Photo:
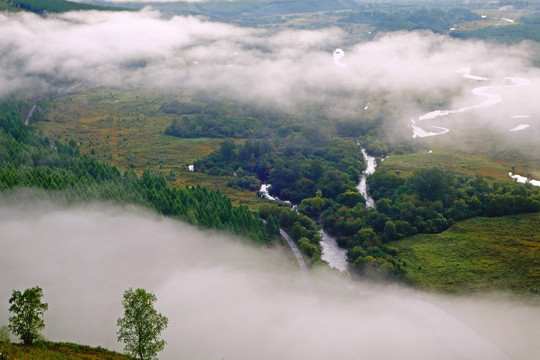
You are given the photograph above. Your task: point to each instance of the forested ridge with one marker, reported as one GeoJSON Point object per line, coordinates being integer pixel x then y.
{"type": "Point", "coordinates": [29, 160]}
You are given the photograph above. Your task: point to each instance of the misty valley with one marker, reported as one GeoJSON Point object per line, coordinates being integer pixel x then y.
{"type": "Point", "coordinates": [284, 180]}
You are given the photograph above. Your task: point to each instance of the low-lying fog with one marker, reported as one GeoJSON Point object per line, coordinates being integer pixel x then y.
{"type": "Point", "coordinates": [226, 299]}
{"type": "Point", "coordinates": [283, 68]}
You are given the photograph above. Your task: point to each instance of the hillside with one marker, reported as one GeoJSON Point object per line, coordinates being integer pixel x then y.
{"type": "Point", "coordinates": [57, 351]}
{"type": "Point", "coordinates": [30, 160]}
{"type": "Point", "coordinates": [480, 254]}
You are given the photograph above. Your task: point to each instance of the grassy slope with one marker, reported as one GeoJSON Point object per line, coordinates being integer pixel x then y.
{"type": "Point", "coordinates": [477, 255]}
{"type": "Point", "coordinates": [57, 351]}
{"type": "Point", "coordinates": [126, 128]}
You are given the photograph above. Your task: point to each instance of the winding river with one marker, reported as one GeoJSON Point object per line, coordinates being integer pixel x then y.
{"type": "Point", "coordinates": [485, 92]}
{"type": "Point", "coordinates": [524, 180]}
{"type": "Point", "coordinates": [331, 252]}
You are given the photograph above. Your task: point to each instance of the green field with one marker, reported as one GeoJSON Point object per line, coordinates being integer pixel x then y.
{"type": "Point", "coordinates": [126, 129]}
{"type": "Point", "coordinates": [57, 351]}
{"type": "Point", "coordinates": [450, 160]}
{"type": "Point", "coordinates": [481, 254]}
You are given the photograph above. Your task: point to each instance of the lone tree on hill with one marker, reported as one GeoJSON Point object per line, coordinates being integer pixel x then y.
{"type": "Point", "coordinates": [27, 309]}
{"type": "Point", "coordinates": [141, 326]}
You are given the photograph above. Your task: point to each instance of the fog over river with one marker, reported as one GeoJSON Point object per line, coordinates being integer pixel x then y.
{"type": "Point", "coordinates": [228, 299]}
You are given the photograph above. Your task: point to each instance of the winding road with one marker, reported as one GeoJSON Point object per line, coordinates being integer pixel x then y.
{"type": "Point", "coordinates": [295, 251]}
{"type": "Point", "coordinates": [299, 259]}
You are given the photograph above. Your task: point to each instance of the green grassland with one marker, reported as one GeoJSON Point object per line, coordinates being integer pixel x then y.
{"type": "Point", "coordinates": [480, 254]}
{"type": "Point", "coordinates": [57, 351]}
{"type": "Point", "coordinates": [463, 163]}
{"type": "Point", "coordinates": [126, 129]}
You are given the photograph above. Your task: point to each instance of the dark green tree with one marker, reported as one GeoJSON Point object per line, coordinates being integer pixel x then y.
{"type": "Point", "coordinates": [272, 226]}
{"type": "Point", "coordinates": [431, 183]}
{"type": "Point", "coordinates": [27, 308]}
{"type": "Point", "coordinates": [140, 327]}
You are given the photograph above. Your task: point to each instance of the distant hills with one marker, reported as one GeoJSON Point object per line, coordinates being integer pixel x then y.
{"type": "Point", "coordinates": [269, 8]}
{"type": "Point", "coordinates": [379, 16]}
{"type": "Point", "coordinates": [51, 6]}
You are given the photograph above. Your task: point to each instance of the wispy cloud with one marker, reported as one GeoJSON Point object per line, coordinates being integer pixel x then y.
{"type": "Point", "coordinates": [286, 69]}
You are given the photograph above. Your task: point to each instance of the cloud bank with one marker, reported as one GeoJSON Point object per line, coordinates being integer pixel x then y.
{"type": "Point", "coordinates": [287, 68]}
{"type": "Point", "coordinates": [229, 300]}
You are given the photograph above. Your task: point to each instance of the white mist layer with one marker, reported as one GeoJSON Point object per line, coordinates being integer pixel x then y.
{"type": "Point", "coordinates": [287, 68]}
{"type": "Point", "coordinates": [225, 299]}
